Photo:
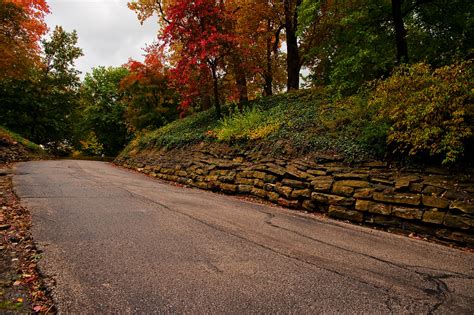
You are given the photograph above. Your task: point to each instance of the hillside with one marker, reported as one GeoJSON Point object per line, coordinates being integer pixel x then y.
{"type": "Point", "coordinates": [417, 115]}
{"type": "Point", "coordinates": [16, 148]}
{"type": "Point", "coordinates": [293, 124]}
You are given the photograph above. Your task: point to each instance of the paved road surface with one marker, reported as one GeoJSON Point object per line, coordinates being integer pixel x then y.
{"type": "Point", "coordinates": [117, 241]}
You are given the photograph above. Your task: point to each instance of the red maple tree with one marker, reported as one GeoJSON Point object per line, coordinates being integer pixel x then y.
{"type": "Point", "coordinates": [197, 34]}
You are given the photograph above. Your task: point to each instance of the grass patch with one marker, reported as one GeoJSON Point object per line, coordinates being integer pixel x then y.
{"type": "Point", "coordinates": [294, 123]}
{"type": "Point", "coordinates": [11, 137]}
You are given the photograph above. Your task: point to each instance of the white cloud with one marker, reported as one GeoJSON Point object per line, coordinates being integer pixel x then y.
{"type": "Point", "coordinates": [109, 32]}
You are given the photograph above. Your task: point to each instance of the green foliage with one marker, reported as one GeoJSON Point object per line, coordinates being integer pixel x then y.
{"type": "Point", "coordinates": [250, 124]}
{"type": "Point", "coordinates": [40, 106]}
{"type": "Point", "coordinates": [294, 123]}
{"type": "Point", "coordinates": [7, 135]}
{"type": "Point", "coordinates": [189, 130]}
{"type": "Point", "coordinates": [430, 111]}
{"type": "Point", "coordinates": [346, 43]}
{"type": "Point", "coordinates": [440, 32]}
{"type": "Point", "coordinates": [102, 110]}
{"type": "Point", "coordinates": [91, 145]}
{"type": "Point", "coordinates": [60, 53]}
{"type": "Point", "coordinates": [150, 100]}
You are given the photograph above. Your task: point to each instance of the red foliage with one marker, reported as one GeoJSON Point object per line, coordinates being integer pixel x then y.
{"type": "Point", "coordinates": [198, 34]}
{"type": "Point", "coordinates": [34, 24]}
{"type": "Point", "coordinates": [20, 33]}
{"type": "Point", "coordinates": [151, 69]}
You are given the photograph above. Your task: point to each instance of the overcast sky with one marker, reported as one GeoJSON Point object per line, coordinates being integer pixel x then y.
{"type": "Point", "coordinates": [109, 33]}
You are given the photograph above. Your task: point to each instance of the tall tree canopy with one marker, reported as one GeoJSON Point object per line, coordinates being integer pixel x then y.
{"type": "Point", "coordinates": [40, 106]}
{"type": "Point", "coordinates": [21, 27]}
{"type": "Point", "coordinates": [102, 110]}
{"type": "Point", "coordinates": [150, 100]}
{"type": "Point", "coordinates": [347, 43]}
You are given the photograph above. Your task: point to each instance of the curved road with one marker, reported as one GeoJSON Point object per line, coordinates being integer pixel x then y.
{"type": "Point", "coordinates": [117, 241]}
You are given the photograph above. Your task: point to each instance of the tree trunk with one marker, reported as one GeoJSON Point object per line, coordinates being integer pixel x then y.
{"type": "Point", "coordinates": [217, 104]}
{"type": "Point", "coordinates": [240, 80]}
{"type": "Point", "coordinates": [400, 32]}
{"type": "Point", "coordinates": [268, 73]}
{"type": "Point", "coordinates": [206, 101]}
{"type": "Point", "coordinates": [292, 56]}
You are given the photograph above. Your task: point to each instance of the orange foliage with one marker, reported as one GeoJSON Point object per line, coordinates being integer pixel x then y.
{"type": "Point", "coordinates": [22, 28]}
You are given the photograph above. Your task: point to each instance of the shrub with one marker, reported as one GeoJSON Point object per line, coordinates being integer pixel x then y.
{"type": "Point", "coordinates": [91, 145]}
{"type": "Point", "coordinates": [430, 111]}
{"type": "Point", "coordinates": [251, 124]}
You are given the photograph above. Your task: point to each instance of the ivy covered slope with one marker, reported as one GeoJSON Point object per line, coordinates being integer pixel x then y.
{"type": "Point", "coordinates": [16, 148]}
{"type": "Point", "coordinates": [417, 114]}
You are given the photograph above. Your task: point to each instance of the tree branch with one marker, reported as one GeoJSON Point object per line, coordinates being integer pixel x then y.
{"type": "Point", "coordinates": [163, 16]}
{"type": "Point", "coordinates": [414, 6]}
{"type": "Point", "coordinates": [277, 38]}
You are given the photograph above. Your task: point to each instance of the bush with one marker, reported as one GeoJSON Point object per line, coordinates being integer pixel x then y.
{"type": "Point", "coordinates": [430, 111]}
{"type": "Point", "coordinates": [250, 124]}
{"type": "Point", "coordinates": [91, 145]}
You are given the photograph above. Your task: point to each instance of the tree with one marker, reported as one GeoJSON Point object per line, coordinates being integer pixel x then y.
{"type": "Point", "coordinates": [292, 56]}
{"type": "Point", "coordinates": [196, 32]}
{"type": "Point", "coordinates": [60, 54]}
{"type": "Point", "coordinates": [348, 43]}
{"type": "Point", "coordinates": [150, 101]}
{"type": "Point", "coordinates": [22, 25]}
{"type": "Point", "coordinates": [258, 25]}
{"type": "Point", "coordinates": [400, 32]}
{"type": "Point", "coordinates": [40, 106]}
{"type": "Point", "coordinates": [102, 110]}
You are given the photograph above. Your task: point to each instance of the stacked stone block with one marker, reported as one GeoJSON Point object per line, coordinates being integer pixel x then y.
{"type": "Point", "coordinates": [428, 202]}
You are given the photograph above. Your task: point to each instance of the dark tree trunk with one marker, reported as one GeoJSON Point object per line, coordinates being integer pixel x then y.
{"type": "Point", "coordinates": [293, 64]}
{"type": "Point", "coordinates": [215, 82]}
{"type": "Point", "coordinates": [268, 73]}
{"type": "Point", "coordinates": [400, 32]}
{"type": "Point", "coordinates": [240, 80]}
{"type": "Point", "coordinates": [206, 101]}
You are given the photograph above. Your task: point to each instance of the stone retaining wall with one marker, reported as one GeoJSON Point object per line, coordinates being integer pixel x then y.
{"type": "Point", "coordinates": [428, 202]}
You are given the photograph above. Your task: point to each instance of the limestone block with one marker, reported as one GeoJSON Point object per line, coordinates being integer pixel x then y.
{"type": "Point", "coordinates": [358, 176]}
{"type": "Point", "coordinates": [269, 178]}
{"type": "Point", "coordinates": [316, 172]}
{"type": "Point", "coordinates": [458, 221]}
{"type": "Point", "coordinates": [433, 216]}
{"type": "Point", "coordinates": [288, 203]}
{"type": "Point", "coordinates": [463, 207]}
{"type": "Point", "coordinates": [363, 193]}
{"type": "Point", "coordinates": [322, 184]}
{"type": "Point", "coordinates": [435, 202]}
{"type": "Point", "coordinates": [400, 198]}
{"type": "Point", "coordinates": [258, 192]}
{"type": "Point", "coordinates": [269, 187]}
{"type": "Point", "coordinates": [407, 213]}
{"type": "Point", "coordinates": [332, 199]}
{"type": "Point", "coordinates": [284, 190]}
{"type": "Point", "coordinates": [272, 196]}
{"type": "Point", "coordinates": [383, 220]}
{"type": "Point", "coordinates": [309, 205]}
{"type": "Point", "coordinates": [340, 189]}
{"type": "Point", "coordinates": [297, 193]}
{"type": "Point", "coordinates": [344, 213]}
{"type": "Point", "coordinates": [293, 183]}
{"type": "Point", "coordinates": [244, 181]}
{"type": "Point", "coordinates": [244, 189]}
{"type": "Point", "coordinates": [353, 183]}
{"type": "Point", "coordinates": [373, 207]}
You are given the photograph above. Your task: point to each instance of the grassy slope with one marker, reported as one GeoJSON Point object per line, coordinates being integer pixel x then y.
{"type": "Point", "coordinates": [14, 147]}
{"type": "Point", "coordinates": [292, 124]}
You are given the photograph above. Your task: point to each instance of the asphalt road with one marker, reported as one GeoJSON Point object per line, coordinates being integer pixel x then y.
{"type": "Point", "coordinates": [117, 241]}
